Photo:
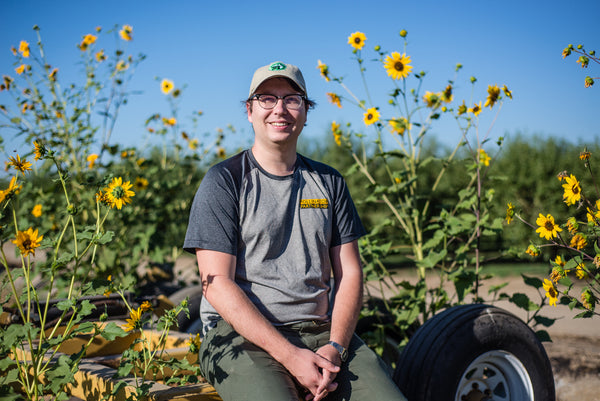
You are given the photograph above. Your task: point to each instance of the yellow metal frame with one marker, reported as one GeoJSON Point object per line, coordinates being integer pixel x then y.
{"type": "Point", "coordinates": [95, 376]}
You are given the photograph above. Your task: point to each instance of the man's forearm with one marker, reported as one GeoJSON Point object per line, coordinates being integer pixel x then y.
{"type": "Point", "coordinates": [234, 306]}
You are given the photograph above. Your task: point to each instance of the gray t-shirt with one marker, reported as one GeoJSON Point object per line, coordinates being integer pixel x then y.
{"type": "Point", "coordinates": [279, 228]}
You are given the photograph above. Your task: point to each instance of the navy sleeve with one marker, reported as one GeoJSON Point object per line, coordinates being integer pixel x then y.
{"type": "Point", "coordinates": [213, 222]}
{"type": "Point", "coordinates": [347, 226]}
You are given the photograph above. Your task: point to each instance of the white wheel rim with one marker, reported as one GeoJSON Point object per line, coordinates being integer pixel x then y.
{"type": "Point", "coordinates": [495, 375]}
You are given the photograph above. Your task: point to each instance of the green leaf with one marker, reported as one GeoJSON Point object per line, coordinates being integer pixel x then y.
{"type": "Point", "coordinates": [523, 302]}
{"type": "Point", "coordinates": [85, 327]}
{"type": "Point", "coordinates": [112, 331]}
{"type": "Point", "coordinates": [544, 321]}
{"type": "Point", "coordinates": [587, 314]}
{"type": "Point", "coordinates": [543, 336]}
{"type": "Point", "coordinates": [65, 304]}
{"type": "Point", "coordinates": [105, 238]}
{"type": "Point", "coordinates": [532, 281]}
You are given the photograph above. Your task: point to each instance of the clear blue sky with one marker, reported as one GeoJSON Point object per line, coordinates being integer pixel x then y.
{"type": "Point", "coordinates": [213, 47]}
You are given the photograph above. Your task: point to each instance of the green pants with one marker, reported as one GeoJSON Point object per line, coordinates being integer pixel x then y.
{"type": "Point", "coordinates": [241, 371]}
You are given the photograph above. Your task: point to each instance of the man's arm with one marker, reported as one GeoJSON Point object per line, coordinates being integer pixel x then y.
{"type": "Point", "coordinates": [347, 272]}
{"type": "Point", "coordinates": [217, 272]}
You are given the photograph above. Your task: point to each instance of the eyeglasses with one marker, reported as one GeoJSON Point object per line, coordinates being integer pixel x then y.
{"type": "Point", "coordinates": [291, 102]}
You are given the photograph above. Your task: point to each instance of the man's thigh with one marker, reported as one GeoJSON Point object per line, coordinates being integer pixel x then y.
{"type": "Point", "coordinates": [241, 371]}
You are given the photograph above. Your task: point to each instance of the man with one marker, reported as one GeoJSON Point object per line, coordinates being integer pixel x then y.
{"type": "Point", "coordinates": [269, 227]}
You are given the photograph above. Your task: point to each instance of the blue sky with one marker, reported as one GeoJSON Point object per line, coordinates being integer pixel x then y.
{"type": "Point", "coordinates": [214, 47]}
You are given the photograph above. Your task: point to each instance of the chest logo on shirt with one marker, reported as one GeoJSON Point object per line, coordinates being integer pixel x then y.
{"type": "Point", "coordinates": [314, 204]}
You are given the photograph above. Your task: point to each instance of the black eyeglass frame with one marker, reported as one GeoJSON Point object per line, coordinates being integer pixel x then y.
{"type": "Point", "coordinates": [258, 95]}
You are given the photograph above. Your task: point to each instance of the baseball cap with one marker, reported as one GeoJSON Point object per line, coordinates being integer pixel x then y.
{"type": "Point", "coordinates": [277, 69]}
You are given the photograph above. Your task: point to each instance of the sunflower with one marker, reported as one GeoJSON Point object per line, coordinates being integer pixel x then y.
{"type": "Point", "coordinates": [547, 228]}
{"type": "Point", "coordinates": [585, 155]}
{"type": "Point", "coordinates": [551, 291]}
{"type": "Point", "coordinates": [507, 92]}
{"type": "Point", "coordinates": [24, 49]}
{"type": "Point", "coordinates": [91, 159]}
{"type": "Point", "coordinates": [532, 250]}
{"type": "Point", "coordinates": [194, 343]}
{"type": "Point", "coordinates": [193, 144]}
{"type": "Point", "coordinates": [100, 56]}
{"type": "Point", "coordinates": [581, 273]}
{"type": "Point", "coordinates": [87, 41]}
{"type": "Point", "coordinates": [324, 70]}
{"type": "Point", "coordinates": [476, 109]}
{"type": "Point", "coordinates": [335, 99]}
{"type": "Point", "coordinates": [510, 212]}
{"type": "Point", "coordinates": [594, 216]}
{"type": "Point", "coordinates": [146, 306]}
{"type": "Point", "coordinates": [357, 40]}
{"type": "Point", "coordinates": [166, 86]}
{"type": "Point", "coordinates": [557, 274]}
{"type": "Point", "coordinates": [431, 99]}
{"type": "Point", "coordinates": [39, 150]}
{"type": "Point", "coordinates": [18, 164]}
{"type": "Point", "coordinates": [37, 210]}
{"type": "Point", "coordinates": [579, 241]}
{"type": "Point", "coordinates": [126, 32]}
{"type": "Point", "coordinates": [135, 317]}
{"type": "Point", "coordinates": [572, 225]}
{"type": "Point", "coordinates": [118, 193]}
{"type": "Point", "coordinates": [337, 133]}
{"type": "Point", "coordinates": [572, 189]}
{"type": "Point", "coordinates": [122, 65]}
{"type": "Point", "coordinates": [12, 188]}
{"type": "Point", "coordinates": [587, 299]}
{"type": "Point", "coordinates": [169, 121]}
{"type": "Point", "coordinates": [397, 65]}
{"type": "Point", "coordinates": [462, 109]}
{"type": "Point", "coordinates": [19, 70]}
{"type": "Point", "coordinates": [399, 125]}
{"type": "Point", "coordinates": [484, 158]}
{"type": "Point", "coordinates": [140, 183]}
{"type": "Point", "coordinates": [447, 94]}
{"type": "Point", "coordinates": [371, 116]}
{"type": "Point", "coordinates": [27, 241]}
{"type": "Point", "coordinates": [493, 95]}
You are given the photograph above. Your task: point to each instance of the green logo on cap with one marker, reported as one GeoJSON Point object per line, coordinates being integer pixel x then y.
{"type": "Point", "coordinates": [277, 67]}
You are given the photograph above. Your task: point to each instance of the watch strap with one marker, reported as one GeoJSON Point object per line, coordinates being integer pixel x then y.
{"type": "Point", "coordinates": [342, 351]}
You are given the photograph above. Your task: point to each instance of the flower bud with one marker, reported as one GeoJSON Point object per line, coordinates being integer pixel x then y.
{"type": "Point", "coordinates": [377, 48]}
{"type": "Point", "coordinates": [403, 33]}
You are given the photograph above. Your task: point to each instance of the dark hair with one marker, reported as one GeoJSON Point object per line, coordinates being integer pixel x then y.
{"type": "Point", "coordinates": [308, 103]}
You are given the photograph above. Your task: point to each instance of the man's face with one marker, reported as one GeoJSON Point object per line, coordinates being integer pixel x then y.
{"type": "Point", "coordinates": [278, 125]}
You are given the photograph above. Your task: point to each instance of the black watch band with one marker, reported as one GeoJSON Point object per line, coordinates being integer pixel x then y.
{"type": "Point", "coordinates": [343, 351]}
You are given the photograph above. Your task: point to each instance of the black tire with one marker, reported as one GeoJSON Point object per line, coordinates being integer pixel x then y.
{"type": "Point", "coordinates": [192, 323]}
{"type": "Point", "coordinates": [472, 352]}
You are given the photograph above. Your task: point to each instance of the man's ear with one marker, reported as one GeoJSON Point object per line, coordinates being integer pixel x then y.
{"type": "Point", "coordinates": [249, 111]}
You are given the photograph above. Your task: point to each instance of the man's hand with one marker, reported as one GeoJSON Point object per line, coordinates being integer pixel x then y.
{"type": "Point", "coordinates": [313, 372]}
{"type": "Point", "coordinates": [327, 385]}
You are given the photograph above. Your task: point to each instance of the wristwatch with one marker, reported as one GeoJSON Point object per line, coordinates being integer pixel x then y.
{"type": "Point", "coordinates": [343, 351]}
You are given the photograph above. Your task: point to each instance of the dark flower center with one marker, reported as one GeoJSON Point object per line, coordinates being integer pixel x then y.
{"type": "Point", "coordinates": [399, 66]}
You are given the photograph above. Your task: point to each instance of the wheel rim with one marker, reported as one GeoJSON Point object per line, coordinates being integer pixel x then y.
{"type": "Point", "coordinates": [495, 375]}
